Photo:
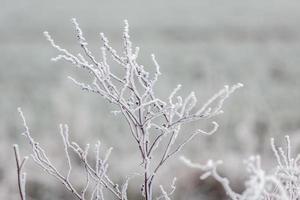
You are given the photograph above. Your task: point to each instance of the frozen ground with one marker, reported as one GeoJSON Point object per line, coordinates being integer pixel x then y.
{"type": "Point", "coordinates": [202, 44]}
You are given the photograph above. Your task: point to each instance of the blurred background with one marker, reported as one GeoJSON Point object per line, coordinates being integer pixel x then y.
{"type": "Point", "coordinates": [201, 44]}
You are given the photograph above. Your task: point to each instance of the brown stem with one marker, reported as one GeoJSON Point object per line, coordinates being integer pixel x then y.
{"type": "Point", "coordinates": [19, 171]}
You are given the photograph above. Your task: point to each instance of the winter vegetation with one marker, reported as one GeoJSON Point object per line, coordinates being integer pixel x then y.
{"type": "Point", "coordinates": [280, 184]}
{"type": "Point", "coordinates": [201, 45]}
{"type": "Point", "coordinates": [153, 123]}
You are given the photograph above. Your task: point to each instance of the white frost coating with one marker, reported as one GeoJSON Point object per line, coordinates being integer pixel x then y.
{"type": "Point", "coordinates": [97, 174]}
{"type": "Point", "coordinates": [281, 184]}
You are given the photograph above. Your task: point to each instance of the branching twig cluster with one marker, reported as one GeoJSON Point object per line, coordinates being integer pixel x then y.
{"type": "Point", "coordinates": [150, 118]}
{"type": "Point", "coordinates": [283, 184]}
{"type": "Point", "coordinates": [96, 174]}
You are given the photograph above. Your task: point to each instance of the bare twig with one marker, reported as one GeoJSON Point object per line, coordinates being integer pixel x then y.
{"type": "Point", "coordinates": [21, 175]}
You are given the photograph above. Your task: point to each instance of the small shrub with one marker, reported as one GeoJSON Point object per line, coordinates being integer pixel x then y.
{"type": "Point", "coordinates": [150, 120]}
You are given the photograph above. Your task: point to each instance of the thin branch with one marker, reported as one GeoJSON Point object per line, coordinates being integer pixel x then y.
{"type": "Point", "coordinates": [21, 175]}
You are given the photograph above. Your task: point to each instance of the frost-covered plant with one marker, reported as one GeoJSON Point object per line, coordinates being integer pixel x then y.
{"type": "Point", "coordinates": [150, 119]}
{"type": "Point", "coordinates": [281, 184]}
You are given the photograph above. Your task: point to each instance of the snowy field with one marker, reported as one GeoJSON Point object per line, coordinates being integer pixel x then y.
{"type": "Point", "coordinates": [201, 44]}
